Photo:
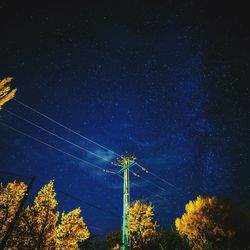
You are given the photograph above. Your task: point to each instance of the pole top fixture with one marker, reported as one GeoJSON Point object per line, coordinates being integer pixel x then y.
{"type": "Point", "coordinates": [125, 160]}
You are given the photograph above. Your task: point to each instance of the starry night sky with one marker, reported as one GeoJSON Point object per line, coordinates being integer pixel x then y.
{"type": "Point", "coordinates": [166, 80]}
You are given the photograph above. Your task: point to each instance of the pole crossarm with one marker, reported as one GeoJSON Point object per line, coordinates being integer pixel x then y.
{"type": "Point", "coordinates": [130, 165]}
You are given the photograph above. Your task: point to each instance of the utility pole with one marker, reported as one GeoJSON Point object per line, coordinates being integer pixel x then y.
{"type": "Point", "coordinates": [126, 162]}
{"type": "Point", "coordinates": [15, 219]}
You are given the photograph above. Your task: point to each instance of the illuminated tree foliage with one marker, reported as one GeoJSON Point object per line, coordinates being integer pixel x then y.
{"type": "Point", "coordinates": [142, 227]}
{"type": "Point", "coordinates": [37, 226]}
{"type": "Point", "coordinates": [71, 230]}
{"type": "Point", "coordinates": [210, 221]}
{"type": "Point", "coordinates": [6, 93]}
{"type": "Point", "coordinates": [10, 198]}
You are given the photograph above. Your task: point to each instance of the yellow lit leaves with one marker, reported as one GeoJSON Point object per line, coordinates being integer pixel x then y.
{"type": "Point", "coordinates": [37, 227]}
{"type": "Point", "coordinates": [6, 93]}
{"type": "Point", "coordinates": [204, 221]}
{"type": "Point", "coordinates": [71, 230]}
{"type": "Point", "coordinates": [10, 198]}
{"type": "Point", "coordinates": [46, 197]}
{"type": "Point", "coordinates": [142, 227]}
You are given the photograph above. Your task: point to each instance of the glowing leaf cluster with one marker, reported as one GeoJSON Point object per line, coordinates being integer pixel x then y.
{"type": "Point", "coordinates": [37, 226]}
{"type": "Point", "coordinates": [71, 230]}
{"type": "Point", "coordinates": [141, 226]}
{"type": "Point", "coordinates": [6, 93]}
{"type": "Point", "coordinates": [117, 247]}
{"type": "Point", "coordinates": [209, 221]}
{"type": "Point", "coordinates": [10, 198]}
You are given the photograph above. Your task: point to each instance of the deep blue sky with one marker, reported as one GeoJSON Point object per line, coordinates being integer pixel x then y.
{"type": "Point", "coordinates": [166, 80]}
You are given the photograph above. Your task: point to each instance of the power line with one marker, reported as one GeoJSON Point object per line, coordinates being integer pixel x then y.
{"type": "Point", "coordinates": [150, 182]}
{"type": "Point", "coordinates": [67, 194]}
{"type": "Point", "coordinates": [56, 135]}
{"type": "Point", "coordinates": [32, 123]}
{"type": "Point", "coordinates": [107, 171]}
{"type": "Point", "coordinates": [159, 178]}
{"type": "Point", "coordinates": [65, 127]}
{"type": "Point", "coordinates": [55, 148]}
{"type": "Point", "coordinates": [148, 190]}
{"type": "Point", "coordinates": [84, 137]}
{"type": "Point", "coordinates": [111, 172]}
{"type": "Point", "coordinates": [23, 176]}
{"type": "Point", "coordinates": [89, 204]}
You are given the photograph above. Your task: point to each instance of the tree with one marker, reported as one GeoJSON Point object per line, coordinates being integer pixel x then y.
{"type": "Point", "coordinates": [141, 226]}
{"type": "Point", "coordinates": [6, 93]}
{"type": "Point", "coordinates": [10, 198]}
{"type": "Point", "coordinates": [214, 223]}
{"type": "Point", "coordinates": [37, 226]}
{"type": "Point", "coordinates": [71, 230]}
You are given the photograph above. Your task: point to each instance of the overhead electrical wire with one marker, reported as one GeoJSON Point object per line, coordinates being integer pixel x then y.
{"type": "Point", "coordinates": [86, 162]}
{"type": "Point", "coordinates": [64, 126]}
{"type": "Point", "coordinates": [112, 213]}
{"type": "Point", "coordinates": [89, 204]}
{"type": "Point", "coordinates": [61, 138]}
{"type": "Point", "coordinates": [86, 138]}
{"type": "Point", "coordinates": [56, 135]}
{"type": "Point", "coordinates": [55, 148]}
{"type": "Point", "coordinates": [112, 172]}
{"type": "Point", "coordinates": [152, 183]}
{"type": "Point", "coordinates": [80, 159]}
{"type": "Point", "coordinates": [77, 158]}
{"type": "Point", "coordinates": [80, 147]}
{"type": "Point", "coordinates": [159, 178]}
{"type": "Point", "coordinates": [86, 150]}
{"type": "Point", "coordinates": [148, 190]}
{"type": "Point", "coordinates": [62, 151]}
{"type": "Point", "coordinates": [67, 194]}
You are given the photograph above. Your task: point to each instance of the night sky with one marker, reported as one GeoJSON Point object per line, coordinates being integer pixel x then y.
{"type": "Point", "coordinates": [165, 80]}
